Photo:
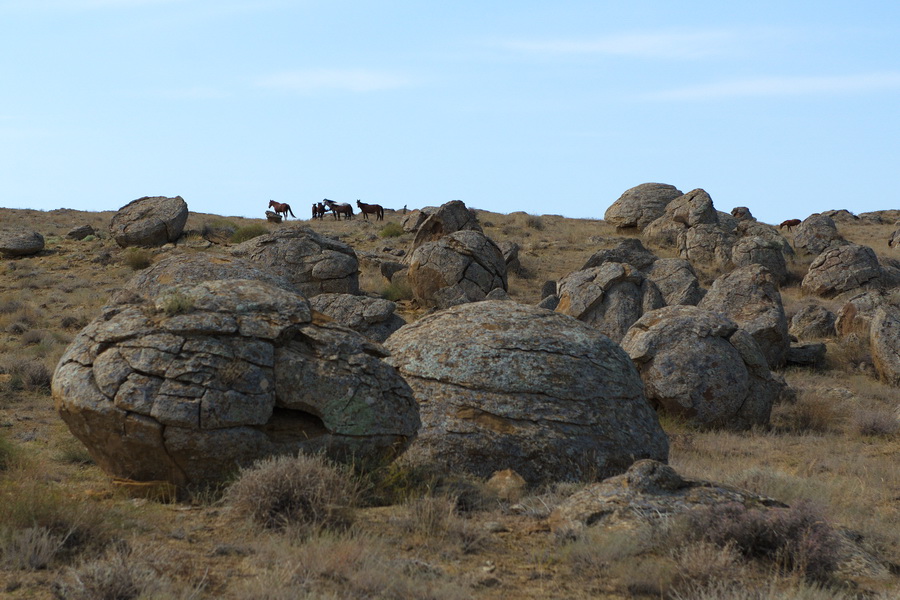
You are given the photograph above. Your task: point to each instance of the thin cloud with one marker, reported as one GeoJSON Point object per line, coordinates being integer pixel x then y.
{"type": "Point", "coordinates": [349, 80]}
{"type": "Point", "coordinates": [782, 86]}
{"type": "Point", "coordinates": [681, 45]}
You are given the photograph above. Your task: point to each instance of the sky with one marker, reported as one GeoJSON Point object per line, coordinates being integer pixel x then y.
{"type": "Point", "coordinates": [786, 107]}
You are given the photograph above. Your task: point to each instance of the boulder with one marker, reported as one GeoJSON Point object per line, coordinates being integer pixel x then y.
{"type": "Point", "coordinates": [458, 268]}
{"type": "Point", "coordinates": [855, 315]}
{"type": "Point", "coordinates": [816, 233]}
{"type": "Point", "coordinates": [20, 242]}
{"type": "Point", "coordinates": [706, 244]}
{"type": "Point", "coordinates": [510, 251]}
{"type": "Point", "coordinates": [766, 232]}
{"type": "Point", "coordinates": [413, 220]}
{"type": "Point", "coordinates": [149, 221]}
{"type": "Point", "coordinates": [692, 209]}
{"type": "Point", "coordinates": [640, 205]}
{"type": "Point", "coordinates": [80, 232]}
{"type": "Point", "coordinates": [374, 318]}
{"type": "Point", "coordinates": [449, 218]}
{"type": "Point", "coordinates": [749, 296]}
{"type": "Point", "coordinates": [813, 321]}
{"type": "Point", "coordinates": [841, 214]}
{"type": "Point", "coordinates": [742, 213]}
{"type": "Point", "coordinates": [842, 268]}
{"type": "Point", "coordinates": [501, 385]}
{"type": "Point", "coordinates": [273, 217]}
{"type": "Point", "coordinates": [610, 297]}
{"type": "Point", "coordinates": [314, 263]}
{"type": "Point", "coordinates": [806, 355]}
{"type": "Point", "coordinates": [759, 251]}
{"type": "Point", "coordinates": [207, 377]}
{"type": "Point", "coordinates": [676, 280]}
{"type": "Point", "coordinates": [629, 250]}
{"type": "Point", "coordinates": [894, 240]}
{"type": "Point", "coordinates": [698, 364]}
{"type": "Point", "coordinates": [884, 340]}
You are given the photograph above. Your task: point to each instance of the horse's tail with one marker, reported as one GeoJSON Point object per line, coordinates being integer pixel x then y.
{"type": "Point", "coordinates": [288, 206]}
{"type": "Point", "coordinates": [381, 213]}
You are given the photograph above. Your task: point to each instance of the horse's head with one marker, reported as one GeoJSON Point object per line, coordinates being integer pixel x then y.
{"type": "Point", "coordinates": [358, 203]}
{"type": "Point", "coordinates": [271, 203]}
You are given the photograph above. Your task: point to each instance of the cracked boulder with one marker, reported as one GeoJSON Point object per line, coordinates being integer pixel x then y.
{"type": "Point", "coordinates": [314, 263]}
{"type": "Point", "coordinates": [691, 209]}
{"type": "Point", "coordinates": [20, 242]}
{"type": "Point", "coordinates": [149, 221]}
{"type": "Point", "coordinates": [461, 267]}
{"type": "Point", "coordinates": [610, 297]}
{"type": "Point", "coordinates": [842, 268]}
{"type": "Point", "coordinates": [676, 280]}
{"type": "Point", "coordinates": [502, 385]}
{"type": "Point", "coordinates": [375, 318]}
{"type": "Point", "coordinates": [884, 337]}
{"type": "Point", "coordinates": [641, 205]}
{"type": "Point", "coordinates": [816, 233]}
{"type": "Point", "coordinates": [701, 366]}
{"type": "Point", "coordinates": [193, 382]}
{"type": "Point", "coordinates": [755, 250]}
{"type": "Point", "coordinates": [448, 218]}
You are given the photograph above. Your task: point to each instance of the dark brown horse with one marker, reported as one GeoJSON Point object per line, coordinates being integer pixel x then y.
{"type": "Point", "coordinates": [789, 223]}
{"type": "Point", "coordinates": [339, 208]}
{"type": "Point", "coordinates": [318, 210]}
{"type": "Point", "coordinates": [281, 208]}
{"type": "Point", "coordinates": [370, 209]}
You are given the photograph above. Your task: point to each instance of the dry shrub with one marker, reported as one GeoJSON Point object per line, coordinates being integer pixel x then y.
{"type": "Point", "coordinates": [703, 563]}
{"type": "Point", "coordinates": [809, 414]}
{"type": "Point", "coordinates": [797, 539]}
{"type": "Point", "coordinates": [116, 576]}
{"type": "Point", "coordinates": [31, 549]}
{"type": "Point", "coordinates": [534, 222]}
{"type": "Point", "coordinates": [875, 423]}
{"type": "Point", "coordinates": [28, 374]}
{"type": "Point", "coordinates": [248, 232]}
{"type": "Point", "coordinates": [137, 258]}
{"type": "Point", "coordinates": [9, 453]}
{"type": "Point", "coordinates": [434, 520]}
{"type": "Point", "coordinates": [307, 492]}
{"type": "Point", "coordinates": [397, 290]}
{"type": "Point", "coordinates": [776, 587]}
{"type": "Point", "coordinates": [596, 549]}
{"type": "Point", "coordinates": [391, 230]}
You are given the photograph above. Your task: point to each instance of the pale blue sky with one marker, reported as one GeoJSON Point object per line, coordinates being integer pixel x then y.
{"type": "Point", "coordinates": [786, 107]}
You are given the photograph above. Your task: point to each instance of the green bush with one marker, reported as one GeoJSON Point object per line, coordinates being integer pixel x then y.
{"type": "Point", "coordinates": [391, 230]}
{"type": "Point", "coordinates": [248, 232]}
{"type": "Point", "coordinates": [176, 303]}
{"type": "Point", "coordinates": [398, 290]}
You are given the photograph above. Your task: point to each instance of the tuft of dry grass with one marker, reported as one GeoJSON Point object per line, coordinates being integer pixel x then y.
{"type": "Point", "coordinates": [137, 258]}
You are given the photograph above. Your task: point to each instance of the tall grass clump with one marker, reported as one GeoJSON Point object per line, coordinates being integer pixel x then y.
{"type": "Point", "coordinates": [391, 230]}
{"type": "Point", "coordinates": [288, 492]}
{"type": "Point", "coordinates": [24, 374]}
{"type": "Point", "coordinates": [248, 232]}
{"type": "Point", "coordinates": [137, 258]}
{"type": "Point", "coordinates": [534, 222]}
{"type": "Point", "coordinates": [397, 290]}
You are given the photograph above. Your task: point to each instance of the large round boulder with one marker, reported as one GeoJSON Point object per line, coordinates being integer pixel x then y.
{"type": "Point", "coordinates": [448, 218]}
{"type": "Point", "coordinates": [502, 385]}
{"type": "Point", "coordinates": [610, 297]}
{"type": "Point", "coordinates": [842, 268]}
{"type": "Point", "coordinates": [20, 242]}
{"type": "Point", "coordinates": [755, 250]}
{"type": "Point", "coordinates": [203, 378]}
{"type": "Point", "coordinates": [816, 233]}
{"type": "Point", "coordinates": [813, 321]}
{"type": "Point", "coordinates": [314, 263]}
{"type": "Point", "coordinates": [750, 297]}
{"type": "Point", "coordinates": [676, 280]}
{"type": "Point", "coordinates": [375, 318]}
{"type": "Point", "coordinates": [461, 267]}
{"type": "Point", "coordinates": [691, 209]}
{"type": "Point", "coordinates": [698, 364]}
{"type": "Point", "coordinates": [706, 244]}
{"type": "Point", "coordinates": [629, 250]}
{"type": "Point", "coordinates": [884, 338]}
{"type": "Point", "coordinates": [641, 205]}
{"type": "Point", "coordinates": [149, 221]}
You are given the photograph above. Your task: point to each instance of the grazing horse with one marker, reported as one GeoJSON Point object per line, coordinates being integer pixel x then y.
{"type": "Point", "coordinates": [789, 223]}
{"type": "Point", "coordinates": [318, 210]}
{"type": "Point", "coordinates": [339, 208]}
{"type": "Point", "coordinates": [281, 208]}
{"type": "Point", "coordinates": [368, 209]}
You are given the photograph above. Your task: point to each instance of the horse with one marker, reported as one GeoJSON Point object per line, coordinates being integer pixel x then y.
{"type": "Point", "coordinates": [789, 223]}
{"type": "Point", "coordinates": [339, 208]}
{"type": "Point", "coordinates": [368, 209]}
{"type": "Point", "coordinates": [282, 208]}
{"type": "Point", "coordinates": [318, 210]}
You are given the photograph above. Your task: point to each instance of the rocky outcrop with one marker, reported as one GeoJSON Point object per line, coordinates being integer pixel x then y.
{"type": "Point", "coordinates": [676, 280]}
{"type": "Point", "coordinates": [20, 242]}
{"type": "Point", "coordinates": [700, 365]}
{"type": "Point", "coordinates": [314, 263]}
{"type": "Point", "coordinates": [461, 267]}
{"type": "Point", "coordinates": [750, 297]}
{"type": "Point", "coordinates": [149, 221]}
{"type": "Point", "coordinates": [203, 378]}
{"type": "Point", "coordinates": [842, 268]}
{"type": "Point", "coordinates": [502, 385]}
{"type": "Point", "coordinates": [449, 218]}
{"type": "Point", "coordinates": [610, 297]}
{"type": "Point", "coordinates": [884, 339]}
{"type": "Point", "coordinates": [811, 322]}
{"type": "Point", "coordinates": [640, 205]}
{"type": "Point", "coordinates": [816, 233]}
{"type": "Point", "coordinates": [374, 318]}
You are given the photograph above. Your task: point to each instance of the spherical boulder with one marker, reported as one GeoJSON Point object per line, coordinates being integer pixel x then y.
{"type": "Point", "coordinates": [816, 233]}
{"type": "Point", "coordinates": [755, 250]}
{"type": "Point", "coordinates": [149, 221]}
{"type": "Point", "coordinates": [20, 242]}
{"type": "Point", "coordinates": [641, 205]}
{"type": "Point", "coordinates": [676, 280]}
{"type": "Point", "coordinates": [698, 364]}
{"type": "Point", "coordinates": [198, 380]}
{"type": "Point", "coordinates": [813, 321]}
{"type": "Point", "coordinates": [502, 385]}
{"type": "Point", "coordinates": [448, 218]}
{"type": "Point", "coordinates": [374, 318]}
{"type": "Point", "coordinates": [842, 268]}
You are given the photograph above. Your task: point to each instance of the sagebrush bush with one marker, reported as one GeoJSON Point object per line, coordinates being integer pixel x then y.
{"type": "Point", "coordinates": [117, 576]}
{"type": "Point", "coordinates": [137, 258]}
{"type": "Point", "coordinates": [287, 491]}
{"type": "Point", "coordinates": [435, 520]}
{"type": "Point", "coordinates": [876, 423]}
{"type": "Point", "coordinates": [31, 548]}
{"type": "Point", "coordinates": [248, 232]}
{"type": "Point", "coordinates": [28, 374]}
{"type": "Point", "coordinates": [534, 222]}
{"type": "Point", "coordinates": [391, 230]}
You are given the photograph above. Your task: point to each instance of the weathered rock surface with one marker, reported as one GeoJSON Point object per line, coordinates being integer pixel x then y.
{"type": "Point", "coordinates": [20, 242]}
{"type": "Point", "coordinates": [894, 240]}
{"type": "Point", "coordinates": [815, 233]}
{"type": "Point", "coordinates": [461, 267]}
{"type": "Point", "coordinates": [610, 297]}
{"type": "Point", "coordinates": [756, 250]}
{"type": "Point", "coordinates": [691, 209]}
{"type": "Point", "coordinates": [314, 263]}
{"type": "Point", "coordinates": [855, 315]}
{"type": "Point", "coordinates": [80, 232]}
{"type": "Point", "coordinates": [676, 280]}
{"type": "Point", "coordinates": [884, 337]}
{"type": "Point", "coordinates": [700, 365]}
{"type": "Point", "coordinates": [813, 321]}
{"type": "Point", "coordinates": [502, 385]}
{"type": "Point", "coordinates": [742, 213]}
{"type": "Point", "coordinates": [374, 318]}
{"type": "Point", "coordinates": [649, 487]}
{"type": "Point", "coordinates": [750, 297]}
{"type": "Point", "coordinates": [510, 251]}
{"type": "Point", "coordinates": [206, 377]}
{"type": "Point", "coordinates": [448, 218]}
{"type": "Point", "coordinates": [640, 205]}
{"type": "Point", "coordinates": [629, 250]}
{"type": "Point", "coordinates": [706, 243]}
{"type": "Point", "coordinates": [806, 355]}
{"type": "Point", "coordinates": [767, 232]}
{"type": "Point", "coordinates": [149, 221]}
{"type": "Point", "coordinates": [842, 268]}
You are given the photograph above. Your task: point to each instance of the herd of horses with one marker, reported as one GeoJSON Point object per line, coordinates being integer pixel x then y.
{"type": "Point", "coordinates": [338, 209]}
